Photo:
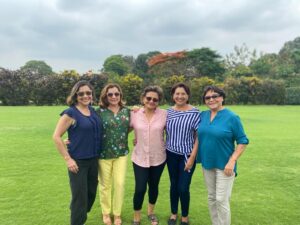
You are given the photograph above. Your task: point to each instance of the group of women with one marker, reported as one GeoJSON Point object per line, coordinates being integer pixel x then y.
{"type": "Point", "coordinates": [179, 136]}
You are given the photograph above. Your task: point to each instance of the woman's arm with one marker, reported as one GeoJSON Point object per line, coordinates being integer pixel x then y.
{"type": "Point", "coordinates": [193, 155]}
{"type": "Point", "coordinates": [240, 148]}
{"type": "Point", "coordinates": [62, 126]}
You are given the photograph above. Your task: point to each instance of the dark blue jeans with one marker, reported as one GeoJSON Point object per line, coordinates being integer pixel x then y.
{"type": "Point", "coordinates": [180, 183]}
{"type": "Point", "coordinates": [83, 189]}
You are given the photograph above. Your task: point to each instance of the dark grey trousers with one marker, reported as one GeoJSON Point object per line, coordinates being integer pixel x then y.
{"type": "Point", "coordinates": [83, 189]}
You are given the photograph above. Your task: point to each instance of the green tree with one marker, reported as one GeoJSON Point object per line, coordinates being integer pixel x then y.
{"type": "Point", "coordinates": [117, 64]}
{"type": "Point", "coordinates": [15, 87]}
{"type": "Point", "coordinates": [132, 87]}
{"type": "Point", "coordinates": [237, 63]}
{"type": "Point", "coordinates": [232, 90]}
{"type": "Point", "coordinates": [46, 90]}
{"type": "Point", "coordinates": [130, 62]}
{"type": "Point", "coordinates": [289, 59]}
{"type": "Point", "coordinates": [240, 71]}
{"type": "Point", "coordinates": [168, 68]}
{"type": "Point", "coordinates": [167, 85]}
{"type": "Point", "coordinates": [296, 59]}
{"type": "Point", "coordinates": [38, 68]}
{"type": "Point", "coordinates": [67, 79]}
{"type": "Point", "coordinates": [206, 62]}
{"type": "Point", "coordinates": [141, 66]}
{"type": "Point", "coordinates": [272, 92]}
{"type": "Point", "coordinates": [142, 69]}
{"type": "Point", "coordinates": [289, 47]}
{"type": "Point", "coordinates": [265, 65]}
{"type": "Point", "coordinates": [197, 88]}
{"type": "Point", "coordinates": [241, 55]}
{"type": "Point", "coordinates": [292, 96]}
{"type": "Point", "coordinates": [98, 81]}
{"type": "Point", "coordinates": [250, 90]}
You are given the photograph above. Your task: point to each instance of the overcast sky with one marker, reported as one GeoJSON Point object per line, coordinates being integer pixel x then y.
{"type": "Point", "coordinates": [81, 34]}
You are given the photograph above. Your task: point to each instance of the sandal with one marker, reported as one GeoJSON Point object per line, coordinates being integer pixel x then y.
{"type": "Point", "coordinates": [117, 221]}
{"type": "Point", "coordinates": [106, 219]}
{"type": "Point", "coordinates": [184, 223]}
{"type": "Point", "coordinates": [153, 219]}
{"type": "Point", "coordinates": [172, 221]}
{"type": "Point", "coordinates": [136, 223]}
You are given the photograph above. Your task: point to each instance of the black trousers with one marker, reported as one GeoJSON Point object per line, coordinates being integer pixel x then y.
{"type": "Point", "coordinates": [144, 176]}
{"type": "Point", "coordinates": [180, 183]}
{"type": "Point", "coordinates": [83, 189]}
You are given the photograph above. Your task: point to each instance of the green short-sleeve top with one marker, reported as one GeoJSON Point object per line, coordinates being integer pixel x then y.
{"type": "Point", "coordinates": [115, 132]}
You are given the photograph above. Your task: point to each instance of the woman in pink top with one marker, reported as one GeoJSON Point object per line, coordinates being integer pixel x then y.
{"type": "Point", "coordinates": [149, 153]}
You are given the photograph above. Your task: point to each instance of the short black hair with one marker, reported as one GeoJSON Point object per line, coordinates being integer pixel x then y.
{"type": "Point", "coordinates": [151, 88]}
{"type": "Point", "coordinates": [214, 89]}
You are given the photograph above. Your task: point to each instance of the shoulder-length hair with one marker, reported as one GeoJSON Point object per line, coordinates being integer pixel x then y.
{"type": "Point", "coordinates": [103, 102]}
{"type": "Point", "coordinates": [72, 98]}
{"type": "Point", "coordinates": [181, 85]}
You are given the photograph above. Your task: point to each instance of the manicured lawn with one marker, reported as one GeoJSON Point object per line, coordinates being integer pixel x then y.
{"type": "Point", "coordinates": [34, 182]}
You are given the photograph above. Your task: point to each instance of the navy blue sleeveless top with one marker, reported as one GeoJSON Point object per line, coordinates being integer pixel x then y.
{"type": "Point", "coordinates": [85, 134]}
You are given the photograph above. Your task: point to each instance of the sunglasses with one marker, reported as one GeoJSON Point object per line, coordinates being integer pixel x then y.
{"type": "Point", "coordinates": [81, 94]}
{"type": "Point", "coordinates": [117, 94]}
{"type": "Point", "coordinates": [153, 99]}
{"type": "Point", "coordinates": [209, 97]}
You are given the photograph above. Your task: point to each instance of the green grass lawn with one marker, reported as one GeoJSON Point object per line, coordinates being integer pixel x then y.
{"type": "Point", "coordinates": [34, 181]}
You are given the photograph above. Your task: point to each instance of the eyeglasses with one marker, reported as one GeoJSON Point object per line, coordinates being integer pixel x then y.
{"type": "Point", "coordinates": [212, 96]}
{"type": "Point", "coordinates": [81, 94]}
{"type": "Point", "coordinates": [153, 99]}
{"type": "Point", "coordinates": [117, 94]}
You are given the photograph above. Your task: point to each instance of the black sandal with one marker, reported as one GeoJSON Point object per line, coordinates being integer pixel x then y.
{"type": "Point", "coordinates": [172, 221]}
{"type": "Point", "coordinates": [184, 223]}
{"type": "Point", "coordinates": [153, 219]}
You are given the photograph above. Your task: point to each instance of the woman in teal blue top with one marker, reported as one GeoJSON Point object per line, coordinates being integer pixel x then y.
{"type": "Point", "coordinates": [218, 132]}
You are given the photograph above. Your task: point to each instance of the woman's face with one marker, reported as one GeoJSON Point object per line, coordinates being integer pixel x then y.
{"type": "Point", "coordinates": [213, 100]}
{"type": "Point", "coordinates": [151, 100]}
{"type": "Point", "coordinates": [113, 96]}
{"type": "Point", "coordinates": [84, 95]}
{"type": "Point", "coordinates": [180, 97]}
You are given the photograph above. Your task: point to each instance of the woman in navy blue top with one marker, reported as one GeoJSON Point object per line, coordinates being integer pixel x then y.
{"type": "Point", "coordinates": [182, 147]}
{"type": "Point", "coordinates": [84, 132]}
{"type": "Point", "coordinates": [218, 132]}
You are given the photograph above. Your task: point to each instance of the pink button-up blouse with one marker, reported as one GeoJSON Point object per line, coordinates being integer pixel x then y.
{"type": "Point", "coordinates": [150, 145]}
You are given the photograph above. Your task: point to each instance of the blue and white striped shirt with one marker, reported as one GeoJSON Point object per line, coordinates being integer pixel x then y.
{"type": "Point", "coordinates": [181, 127]}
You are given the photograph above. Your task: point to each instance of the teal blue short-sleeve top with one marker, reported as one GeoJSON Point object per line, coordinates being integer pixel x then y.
{"type": "Point", "coordinates": [217, 138]}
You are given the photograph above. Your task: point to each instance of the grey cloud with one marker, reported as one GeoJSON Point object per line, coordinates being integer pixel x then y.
{"type": "Point", "coordinates": [88, 31]}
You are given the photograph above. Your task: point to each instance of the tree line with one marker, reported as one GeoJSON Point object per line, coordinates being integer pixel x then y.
{"type": "Point", "coordinates": [247, 78]}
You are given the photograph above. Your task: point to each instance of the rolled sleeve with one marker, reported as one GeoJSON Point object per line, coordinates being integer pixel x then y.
{"type": "Point", "coordinates": [238, 131]}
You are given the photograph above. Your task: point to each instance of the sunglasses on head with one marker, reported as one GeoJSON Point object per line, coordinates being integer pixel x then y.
{"type": "Point", "coordinates": [153, 99]}
{"type": "Point", "coordinates": [117, 94]}
{"type": "Point", "coordinates": [212, 96]}
{"type": "Point", "coordinates": [81, 94]}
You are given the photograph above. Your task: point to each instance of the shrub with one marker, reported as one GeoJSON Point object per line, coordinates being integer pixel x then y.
{"type": "Point", "coordinates": [292, 96]}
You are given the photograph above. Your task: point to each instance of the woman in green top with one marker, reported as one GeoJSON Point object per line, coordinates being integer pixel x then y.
{"type": "Point", "coordinates": [113, 158]}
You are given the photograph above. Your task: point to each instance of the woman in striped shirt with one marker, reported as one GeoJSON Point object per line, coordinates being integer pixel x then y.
{"type": "Point", "coordinates": [182, 146]}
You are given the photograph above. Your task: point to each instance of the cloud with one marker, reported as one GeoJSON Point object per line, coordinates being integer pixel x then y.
{"type": "Point", "coordinates": [81, 34]}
